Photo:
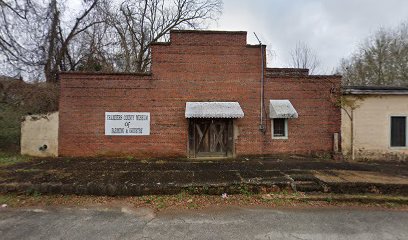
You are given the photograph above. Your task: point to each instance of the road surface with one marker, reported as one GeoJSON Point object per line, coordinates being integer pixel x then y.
{"type": "Point", "coordinates": [226, 223]}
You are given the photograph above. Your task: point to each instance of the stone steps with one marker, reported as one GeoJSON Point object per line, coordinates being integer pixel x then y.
{"type": "Point", "coordinates": [308, 186]}
{"type": "Point", "coordinates": [305, 182]}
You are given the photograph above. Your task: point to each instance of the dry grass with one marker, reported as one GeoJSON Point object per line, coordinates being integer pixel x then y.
{"type": "Point", "coordinates": [187, 201]}
{"type": "Point", "coordinates": [9, 158]}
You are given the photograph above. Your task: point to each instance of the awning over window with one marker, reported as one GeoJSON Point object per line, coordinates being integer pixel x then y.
{"type": "Point", "coordinates": [282, 109]}
{"type": "Point", "coordinates": [213, 110]}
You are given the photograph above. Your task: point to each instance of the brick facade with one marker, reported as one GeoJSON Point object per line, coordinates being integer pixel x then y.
{"type": "Point", "coordinates": [196, 66]}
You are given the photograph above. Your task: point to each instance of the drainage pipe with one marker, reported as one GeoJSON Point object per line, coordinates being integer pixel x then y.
{"type": "Point", "coordinates": [261, 124]}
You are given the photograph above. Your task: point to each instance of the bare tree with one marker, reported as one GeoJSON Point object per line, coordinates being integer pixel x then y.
{"type": "Point", "coordinates": [58, 40]}
{"type": "Point", "coordinates": [13, 15]}
{"type": "Point", "coordinates": [37, 37]}
{"type": "Point", "coordinates": [40, 38]}
{"type": "Point", "coordinates": [302, 56]}
{"type": "Point", "coordinates": [381, 60]}
{"type": "Point", "coordinates": [138, 23]}
{"type": "Point", "coordinates": [92, 51]}
{"type": "Point", "coordinates": [18, 8]}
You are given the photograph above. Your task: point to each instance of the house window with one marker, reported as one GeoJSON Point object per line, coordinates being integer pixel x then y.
{"type": "Point", "coordinates": [398, 131]}
{"type": "Point", "coordinates": [280, 128]}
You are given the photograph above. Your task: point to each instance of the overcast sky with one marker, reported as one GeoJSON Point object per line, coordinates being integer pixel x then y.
{"type": "Point", "coordinates": [332, 28]}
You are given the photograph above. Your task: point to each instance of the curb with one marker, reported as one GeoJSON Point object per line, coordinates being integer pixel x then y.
{"type": "Point", "coordinates": [130, 189]}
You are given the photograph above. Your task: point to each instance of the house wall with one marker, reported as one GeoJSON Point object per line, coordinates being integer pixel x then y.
{"type": "Point", "coordinates": [194, 66]}
{"type": "Point", "coordinates": [37, 131]}
{"type": "Point", "coordinates": [371, 120]}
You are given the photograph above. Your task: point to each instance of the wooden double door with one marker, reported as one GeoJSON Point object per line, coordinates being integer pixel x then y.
{"type": "Point", "coordinates": [211, 137]}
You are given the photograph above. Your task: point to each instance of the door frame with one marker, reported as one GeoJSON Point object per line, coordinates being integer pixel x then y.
{"type": "Point", "coordinates": [191, 148]}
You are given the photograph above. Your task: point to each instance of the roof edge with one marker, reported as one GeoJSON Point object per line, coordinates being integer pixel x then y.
{"type": "Point", "coordinates": [208, 31]}
{"type": "Point", "coordinates": [106, 73]}
{"type": "Point", "coordinates": [161, 43]}
{"type": "Point", "coordinates": [374, 90]}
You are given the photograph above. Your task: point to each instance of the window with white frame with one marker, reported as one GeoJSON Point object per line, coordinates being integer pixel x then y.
{"type": "Point", "coordinates": [279, 128]}
{"type": "Point", "coordinates": [398, 131]}
{"type": "Point", "coordinates": [280, 110]}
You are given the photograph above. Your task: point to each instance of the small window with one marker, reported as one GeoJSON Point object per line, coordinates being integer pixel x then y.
{"type": "Point", "coordinates": [280, 128]}
{"type": "Point", "coordinates": [398, 131]}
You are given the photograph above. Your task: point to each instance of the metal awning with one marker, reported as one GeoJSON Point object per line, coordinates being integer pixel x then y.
{"type": "Point", "coordinates": [282, 109]}
{"type": "Point", "coordinates": [213, 110]}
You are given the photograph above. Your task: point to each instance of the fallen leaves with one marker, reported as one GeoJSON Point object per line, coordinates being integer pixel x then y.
{"type": "Point", "coordinates": [188, 201]}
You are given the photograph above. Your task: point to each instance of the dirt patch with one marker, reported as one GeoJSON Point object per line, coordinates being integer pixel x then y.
{"type": "Point", "coordinates": [339, 176]}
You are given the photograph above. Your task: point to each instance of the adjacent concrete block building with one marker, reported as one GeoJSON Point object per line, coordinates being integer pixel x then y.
{"type": "Point", "coordinates": [374, 123]}
{"type": "Point", "coordinates": [39, 135]}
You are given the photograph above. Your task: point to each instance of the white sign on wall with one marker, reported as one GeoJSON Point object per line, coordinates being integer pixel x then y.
{"type": "Point", "coordinates": [127, 123]}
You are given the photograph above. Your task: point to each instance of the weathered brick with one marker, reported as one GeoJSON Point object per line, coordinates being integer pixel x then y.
{"type": "Point", "coordinates": [195, 66]}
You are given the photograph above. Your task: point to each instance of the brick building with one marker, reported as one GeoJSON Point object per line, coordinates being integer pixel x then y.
{"type": "Point", "coordinates": [202, 98]}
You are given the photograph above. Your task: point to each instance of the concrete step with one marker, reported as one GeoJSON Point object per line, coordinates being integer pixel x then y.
{"type": "Point", "coordinates": [308, 186]}
{"type": "Point", "coordinates": [303, 177]}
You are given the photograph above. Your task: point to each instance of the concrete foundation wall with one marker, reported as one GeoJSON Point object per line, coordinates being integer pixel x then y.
{"type": "Point", "coordinates": [371, 127]}
{"type": "Point", "coordinates": [39, 135]}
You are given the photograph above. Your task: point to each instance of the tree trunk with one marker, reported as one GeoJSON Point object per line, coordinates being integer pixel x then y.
{"type": "Point", "coordinates": [50, 68]}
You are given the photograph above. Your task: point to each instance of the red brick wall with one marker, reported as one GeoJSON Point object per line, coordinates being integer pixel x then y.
{"type": "Point", "coordinates": [195, 66]}
{"type": "Point", "coordinates": [314, 98]}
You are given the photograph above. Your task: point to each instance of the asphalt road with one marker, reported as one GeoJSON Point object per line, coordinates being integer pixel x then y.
{"type": "Point", "coordinates": [230, 223]}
